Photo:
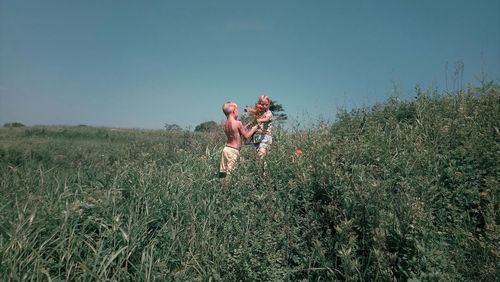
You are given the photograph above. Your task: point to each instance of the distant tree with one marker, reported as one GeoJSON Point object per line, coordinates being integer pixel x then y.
{"type": "Point", "coordinates": [207, 126]}
{"type": "Point", "coordinates": [172, 127]}
{"type": "Point", "coordinates": [278, 111]}
{"type": "Point", "coordinates": [13, 124]}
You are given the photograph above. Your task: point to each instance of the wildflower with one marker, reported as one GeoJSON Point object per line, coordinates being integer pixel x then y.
{"type": "Point", "coordinates": [298, 152]}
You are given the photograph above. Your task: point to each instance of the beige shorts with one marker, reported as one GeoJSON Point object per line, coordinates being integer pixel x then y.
{"type": "Point", "coordinates": [229, 159]}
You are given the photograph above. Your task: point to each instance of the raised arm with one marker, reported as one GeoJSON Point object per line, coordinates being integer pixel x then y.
{"type": "Point", "coordinates": [266, 118]}
{"type": "Point", "coordinates": [247, 134]}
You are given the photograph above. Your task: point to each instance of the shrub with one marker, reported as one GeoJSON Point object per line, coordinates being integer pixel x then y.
{"type": "Point", "coordinates": [13, 124]}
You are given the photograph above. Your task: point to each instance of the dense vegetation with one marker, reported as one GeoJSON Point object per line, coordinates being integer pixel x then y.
{"type": "Point", "coordinates": [405, 190]}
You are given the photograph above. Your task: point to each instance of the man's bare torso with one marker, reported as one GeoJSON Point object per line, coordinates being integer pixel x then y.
{"type": "Point", "coordinates": [232, 130]}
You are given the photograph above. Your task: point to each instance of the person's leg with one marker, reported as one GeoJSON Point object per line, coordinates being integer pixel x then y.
{"type": "Point", "coordinates": [229, 161]}
{"type": "Point", "coordinates": [264, 146]}
{"type": "Point", "coordinates": [224, 167]}
{"type": "Point", "coordinates": [223, 170]}
{"type": "Point", "coordinates": [224, 177]}
{"type": "Point", "coordinates": [261, 153]}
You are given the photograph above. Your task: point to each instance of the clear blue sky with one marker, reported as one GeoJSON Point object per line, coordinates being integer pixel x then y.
{"type": "Point", "coordinates": [146, 63]}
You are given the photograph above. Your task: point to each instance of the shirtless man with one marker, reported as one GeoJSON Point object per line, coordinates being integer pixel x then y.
{"type": "Point", "coordinates": [234, 129]}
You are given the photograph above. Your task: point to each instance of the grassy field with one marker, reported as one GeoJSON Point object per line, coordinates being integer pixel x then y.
{"type": "Point", "coordinates": [404, 190]}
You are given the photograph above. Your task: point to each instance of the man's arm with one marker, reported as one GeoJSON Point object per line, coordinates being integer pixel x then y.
{"type": "Point", "coordinates": [265, 118]}
{"type": "Point", "coordinates": [247, 134]}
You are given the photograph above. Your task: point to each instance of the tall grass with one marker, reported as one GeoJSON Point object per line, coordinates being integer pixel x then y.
{"type": "Point", "coordinates": [402, 190]}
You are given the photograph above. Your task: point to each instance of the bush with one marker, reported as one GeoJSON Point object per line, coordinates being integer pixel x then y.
{"type": "Point", "coordinates": [13, 124]}
{"type": "Point", "coordinates": [208, 126]}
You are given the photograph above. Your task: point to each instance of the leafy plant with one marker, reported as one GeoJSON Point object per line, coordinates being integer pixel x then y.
{"type": "Point", "coordinates": [402, 190]}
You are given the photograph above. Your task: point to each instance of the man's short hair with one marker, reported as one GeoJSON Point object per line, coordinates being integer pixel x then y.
{"type": "Point", "coordinates": [264, 97]}
{"type": "Point", "coordinates": [229, 107]}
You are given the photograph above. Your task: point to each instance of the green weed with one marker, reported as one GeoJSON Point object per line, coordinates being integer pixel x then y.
{"type": "Point", "coordinates": [404, 190]}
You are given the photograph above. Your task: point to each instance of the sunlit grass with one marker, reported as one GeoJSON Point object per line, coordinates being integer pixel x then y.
{"type": "Point", "coordinates": [405, 189]}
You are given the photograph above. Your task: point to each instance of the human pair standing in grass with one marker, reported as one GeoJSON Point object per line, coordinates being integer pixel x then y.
{"type": "Point", "coordinates": [234, 130]}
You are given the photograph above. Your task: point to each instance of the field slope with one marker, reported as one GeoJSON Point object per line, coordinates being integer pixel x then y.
{"type": "Point", "coordinates": [398, 191]}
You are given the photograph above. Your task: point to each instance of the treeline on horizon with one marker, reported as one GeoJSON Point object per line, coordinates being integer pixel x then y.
{"type": "Point", "coordinates": [207, 126]}
{"type": "Point", "coordinates": [402, 190]}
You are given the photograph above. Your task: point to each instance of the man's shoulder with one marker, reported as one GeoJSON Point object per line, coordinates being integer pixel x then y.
{"type": "Point", "coordinates": [234, 123]}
